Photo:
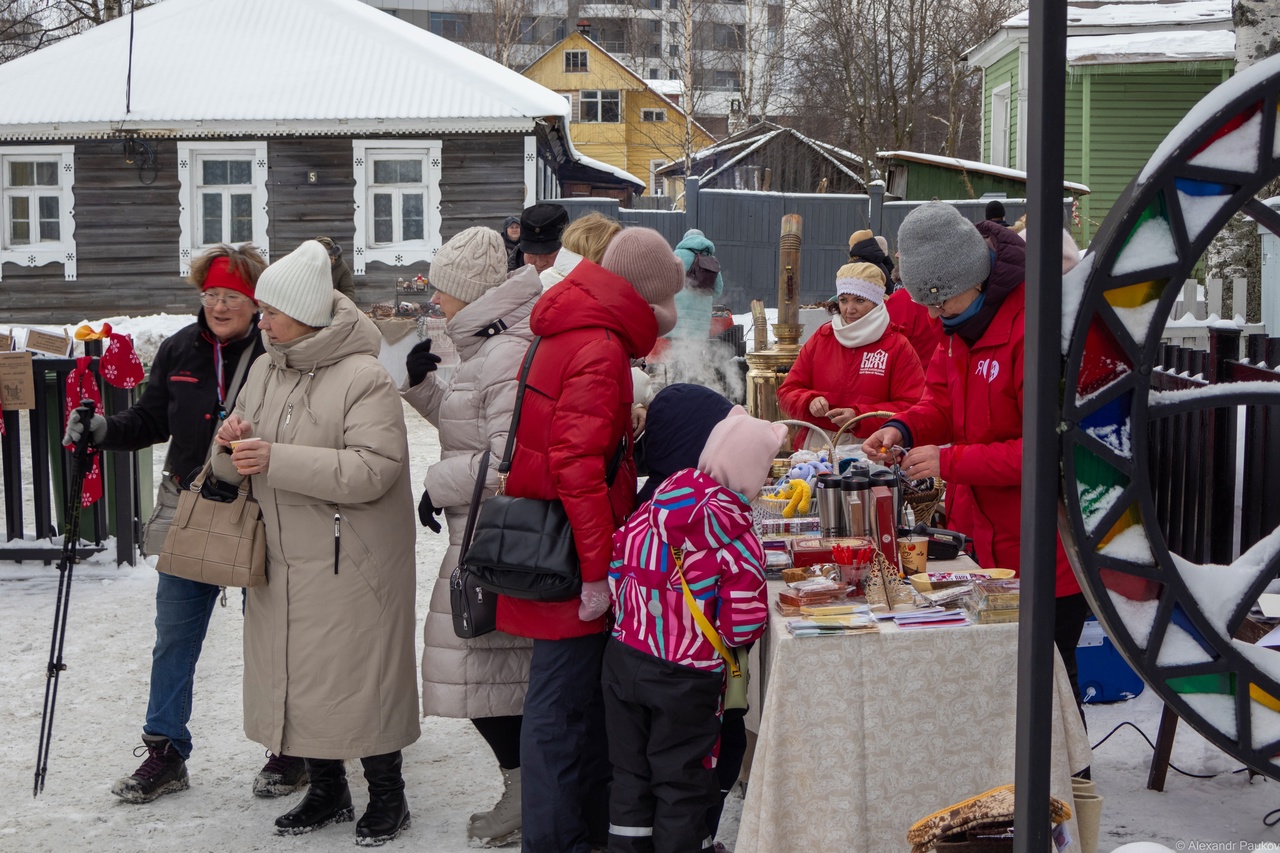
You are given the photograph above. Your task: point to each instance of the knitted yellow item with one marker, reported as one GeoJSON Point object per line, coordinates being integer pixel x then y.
{"type": "Point", "coordinates": [797, 493]}
{"type": "Point", "coordinates": [989, 807]}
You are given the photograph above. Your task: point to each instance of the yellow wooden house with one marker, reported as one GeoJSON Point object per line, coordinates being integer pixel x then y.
{"type": "Point", "coordinates": [615, 115]}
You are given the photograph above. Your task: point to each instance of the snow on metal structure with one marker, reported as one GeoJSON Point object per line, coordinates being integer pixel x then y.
{"type": "Point", "coordinates": [1176, 608]}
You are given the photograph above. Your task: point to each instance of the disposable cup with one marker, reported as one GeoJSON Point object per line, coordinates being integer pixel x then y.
{"type": "Point", "coordinates": [240, 441]}
{"type": "Point", "coordinates": [914, 551]}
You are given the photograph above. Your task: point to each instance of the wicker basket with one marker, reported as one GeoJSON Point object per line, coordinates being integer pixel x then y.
{"type": "Point", "coordinates": [925, 504]}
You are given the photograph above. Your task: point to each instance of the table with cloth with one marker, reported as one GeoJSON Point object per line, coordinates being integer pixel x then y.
{"type": "Point", "coordinates": [862, 735]}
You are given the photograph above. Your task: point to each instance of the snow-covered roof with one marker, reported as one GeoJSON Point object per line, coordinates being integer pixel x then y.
{"type": "Point", "coordinates": [1147, 14]}
{"type": "Point", "coordinates": [203, 68]}
{"type": "Point", "coordinates": [969, 166]}
{"type": "Point", "coordinates": [621, 174]}
{"type": "Point", "coordinates": [1159, 46]}
{"type": "Point", "coordinates": [1178, 23]}
{"type": "Point", "coordinates": [667, 88]}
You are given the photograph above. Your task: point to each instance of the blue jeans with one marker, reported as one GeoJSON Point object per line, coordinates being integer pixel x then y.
{"type": "Point", "coordinates": [183, 609]}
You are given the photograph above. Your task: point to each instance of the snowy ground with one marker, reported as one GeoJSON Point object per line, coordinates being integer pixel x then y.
{"type": "Point", "coordinates": [449, 772]}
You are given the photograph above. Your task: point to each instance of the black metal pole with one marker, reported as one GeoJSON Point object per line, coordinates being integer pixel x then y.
{"type": "Point", "coordinates": [1046, 128]}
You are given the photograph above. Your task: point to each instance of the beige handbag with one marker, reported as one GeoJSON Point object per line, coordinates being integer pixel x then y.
{"type": "Point", "coordinates": [217, 536]}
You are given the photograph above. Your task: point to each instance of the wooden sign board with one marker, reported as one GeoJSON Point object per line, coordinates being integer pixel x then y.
{"type": "Point", "coordinates": [17, 384]}
{"type": "Point", "coordinates": [44, 343]}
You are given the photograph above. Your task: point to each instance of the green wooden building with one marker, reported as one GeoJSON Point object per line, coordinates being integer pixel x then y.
{"type": "Point", "coordinates": [912, 176]}
{"type": "Point", "coordinates": [1133, 71]}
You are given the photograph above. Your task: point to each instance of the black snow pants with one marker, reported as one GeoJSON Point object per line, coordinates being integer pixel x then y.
{"type": "Point", "coordinates": [663, 723]}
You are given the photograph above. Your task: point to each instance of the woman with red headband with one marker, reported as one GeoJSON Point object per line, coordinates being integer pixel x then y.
{"type": "Point", "coordinates": [193, 384]}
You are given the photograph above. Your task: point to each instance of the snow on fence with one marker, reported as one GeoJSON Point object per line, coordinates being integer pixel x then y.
{"type": "Point", "coordinates": [1200, 307]}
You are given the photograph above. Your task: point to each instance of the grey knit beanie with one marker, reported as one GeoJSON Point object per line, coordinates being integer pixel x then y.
{"type": "Point", "coordinates": [473, 262]}
{"type": "Point", "coordinates": [300, 285]}
{"type": "Point", "coordinates": [940, 253]}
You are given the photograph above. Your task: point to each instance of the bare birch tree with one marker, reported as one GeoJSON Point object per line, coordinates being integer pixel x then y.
{"type": "Point", "coordinates": [1237, 250]}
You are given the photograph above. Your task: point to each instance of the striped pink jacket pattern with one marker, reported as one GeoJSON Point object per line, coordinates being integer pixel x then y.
{"type": "Point", "coordinates": [723, 565]}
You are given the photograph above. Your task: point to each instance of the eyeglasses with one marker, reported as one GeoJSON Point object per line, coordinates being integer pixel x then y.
{"type": "Point", "coordinates": [231, 300]}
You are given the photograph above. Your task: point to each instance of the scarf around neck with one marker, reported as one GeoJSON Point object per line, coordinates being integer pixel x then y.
{"type": "Point", "coordinates": [867, 329]}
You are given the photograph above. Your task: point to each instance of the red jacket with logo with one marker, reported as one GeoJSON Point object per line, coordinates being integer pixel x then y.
{"type": "Point", "coordinates": [881, 376]}
{"type": "Point", "coordinates": [973, 402]}
{"type": "Point", "coordinates": [576, 410]}
{"type": "Point", "coordinates": [912, 318]}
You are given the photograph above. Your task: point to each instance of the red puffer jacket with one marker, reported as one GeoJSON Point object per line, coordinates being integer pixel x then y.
{"type": "Point", "coordinates": [576, 410]}
{"type": "Point", "coordinates": [973, 401]}
{"type": "Point", "coordinates": [881, 376]}
{"type": "Point", "coordinates": [912, 318]}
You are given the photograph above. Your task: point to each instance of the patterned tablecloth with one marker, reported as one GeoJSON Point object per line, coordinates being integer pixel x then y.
{"type": "Point", "coordinates": [863, 735]}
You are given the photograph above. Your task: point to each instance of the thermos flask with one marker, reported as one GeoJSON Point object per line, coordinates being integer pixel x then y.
{"type": "Point", "coordinates": [830, 512]}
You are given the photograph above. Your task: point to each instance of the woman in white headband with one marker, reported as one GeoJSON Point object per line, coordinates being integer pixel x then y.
{"type": "Point", "coordinates": [857, 363]}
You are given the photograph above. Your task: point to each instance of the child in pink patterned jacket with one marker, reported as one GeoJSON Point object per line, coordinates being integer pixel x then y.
{"type": "Point", "coordinates": [663, 678]}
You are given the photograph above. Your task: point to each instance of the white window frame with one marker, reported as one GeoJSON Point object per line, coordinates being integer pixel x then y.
{"type": "Point", "coordinates": [190, 154]}
{"type": "Point", "coordinates": [363, 154]}
{"type": "Point", "coordinates": [1000, 105]}
{"type": "Point", "coordinates": [578, 54]}
{"type": "Point", "coordinates": [653, 114]}
{"type": "Point", "coordinates": [657, 184]}
{"type": "Point", "coordinates": [62, 250]}
{"type": "Point", "coordinates": [599, 101]}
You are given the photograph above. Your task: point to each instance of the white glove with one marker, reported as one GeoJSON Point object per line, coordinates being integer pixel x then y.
{"type": "Point", "coordinates": [75, 429]}
{"type": "Point", "coordinates": [595, 600]}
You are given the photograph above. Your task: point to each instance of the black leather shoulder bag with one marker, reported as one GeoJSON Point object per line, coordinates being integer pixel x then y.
{"type": "Point", "coordinates": [523, 547]}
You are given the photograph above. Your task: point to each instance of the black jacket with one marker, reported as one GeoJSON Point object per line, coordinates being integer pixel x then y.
{"type": "Point", "coordinates": [180, 403]}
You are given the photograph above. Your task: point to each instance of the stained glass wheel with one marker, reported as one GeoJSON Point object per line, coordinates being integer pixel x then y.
{"type": "Point", "coordinates": [1174, 617]}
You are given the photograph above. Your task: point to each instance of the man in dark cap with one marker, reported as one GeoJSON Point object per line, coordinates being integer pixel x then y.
{"type": "Point", "coordinates": [995, 213]}
{"type": "Point", "coordinates": [540, 228]}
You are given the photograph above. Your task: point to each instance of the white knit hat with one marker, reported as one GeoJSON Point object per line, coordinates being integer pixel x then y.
{"type": "Point", "coordinates": [300, 285]}
{"type": "Point", "coordinates": [470, 264]}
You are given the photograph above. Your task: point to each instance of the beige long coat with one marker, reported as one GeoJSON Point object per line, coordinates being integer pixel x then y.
{"type": "Point", "coordinates": [329, 642]}
{"type": "Point", "coordinates": [486, 676]}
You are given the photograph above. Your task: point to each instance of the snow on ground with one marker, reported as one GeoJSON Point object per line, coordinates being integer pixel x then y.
{"type": "Point", "coordinates": [449, 772]}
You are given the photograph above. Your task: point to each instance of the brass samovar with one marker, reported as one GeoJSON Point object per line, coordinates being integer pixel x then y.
{"type": "Point", "coordinates": [768, 367]}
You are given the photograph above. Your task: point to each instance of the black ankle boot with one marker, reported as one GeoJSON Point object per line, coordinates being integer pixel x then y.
{"type": "Point", "coordinates": [388, 812]}
{"type": "Point", "coordinates": [327, 801]}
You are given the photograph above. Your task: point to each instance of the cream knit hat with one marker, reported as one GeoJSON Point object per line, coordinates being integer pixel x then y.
{"type": "Point", "coordinates": [861, 279]}
{"type": "Point", "coordinates": [300, 285]}
{"type": "Point", "coordinates": [470, 264]}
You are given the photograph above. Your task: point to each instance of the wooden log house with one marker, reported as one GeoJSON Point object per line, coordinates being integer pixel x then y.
{"type": "Point", "coordinates": [127, 149]}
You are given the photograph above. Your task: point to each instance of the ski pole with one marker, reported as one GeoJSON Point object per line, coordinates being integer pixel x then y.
{"type": "Point", "coordinates": [66, 565]}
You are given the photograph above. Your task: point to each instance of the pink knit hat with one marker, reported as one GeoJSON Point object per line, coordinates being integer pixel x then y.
{"type": "Point", "coordinates": [644, 258]}
{"type": "Point", "coordinates": [740, 450]}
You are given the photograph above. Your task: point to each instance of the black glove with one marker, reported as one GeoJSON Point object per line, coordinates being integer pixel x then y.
{"type": "Point", "coordinates": [427, 513]}
{"type": "Point", "coordinates": [421, 361]}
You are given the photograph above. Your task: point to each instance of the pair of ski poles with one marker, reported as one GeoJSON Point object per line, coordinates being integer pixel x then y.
{"type": "Point", "coordinates": [66, 564]}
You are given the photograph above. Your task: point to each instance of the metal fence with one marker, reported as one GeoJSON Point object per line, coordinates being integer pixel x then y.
{"type": "Point", "coordinates": [1212, 468]}
{"type": "Point", "coordinates": [745, 226]}
{"type": "Point", "coordinates": [48, 477]}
